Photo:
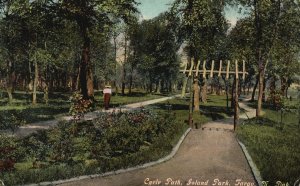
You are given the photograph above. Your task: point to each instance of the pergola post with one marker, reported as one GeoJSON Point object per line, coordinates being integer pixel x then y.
{"type": "Point", "coordinates": [196, 72]}
{"type": "Point", "coordinates": [236, 97]}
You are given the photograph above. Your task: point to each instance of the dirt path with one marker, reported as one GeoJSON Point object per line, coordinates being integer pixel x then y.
{"type": "Point", "coordinates": [30, 128]}
{"type": "Point", "coordinates": [208, 156]}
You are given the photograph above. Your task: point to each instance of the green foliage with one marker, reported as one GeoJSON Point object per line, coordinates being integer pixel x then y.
{"type": "Point", "coordinates": [125, 133]}
{"type": "Point", "coordinates": [203, 26]}
{"type": "Point", "coordinates": [274, 148]}
{"type": "Point", "coordinates": [154, 45]}
{"type": "Point", "coordinates": [8, 146]}
{"type": "Point", "coordinates": [11, 120]}
{"type": "Point", "coordinates": [79, 106]}
{"type": "Point", "coordinates": [113, 141]}
{"type": "Point", "coordinates": [276, 99]}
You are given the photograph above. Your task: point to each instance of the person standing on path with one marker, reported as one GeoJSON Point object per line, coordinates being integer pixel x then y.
{"type": "Point", "coordinates": [106, 95]}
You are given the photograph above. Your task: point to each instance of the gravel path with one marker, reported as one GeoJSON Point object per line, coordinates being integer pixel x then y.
{"type": "Point", "coordinates": [210, 155]}
{"type": "Point", "coordinates": [30, 128]}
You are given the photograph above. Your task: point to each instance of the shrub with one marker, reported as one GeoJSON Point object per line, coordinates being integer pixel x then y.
{"type": "Point", "coordinates": [9, 152]}
{"type": "Point", "coordinates": [129, 132]}
{"type": "Point", "coordinates": [11, 120]}
{"type": "Point", "coordinates": [79, 106]}
{"type": "Point", "coordinates": [276, 100]}
{"type": "Point", "coordinates": [113, 141]}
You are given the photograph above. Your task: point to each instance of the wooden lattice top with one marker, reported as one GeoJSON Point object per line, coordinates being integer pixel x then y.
{"type": "Point", "coordinates": [197, 71]}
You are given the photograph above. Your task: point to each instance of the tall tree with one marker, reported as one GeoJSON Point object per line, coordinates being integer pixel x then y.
{"type": "Point", "coordinates": [202, 24]}
{"type": "Point", "coordinates": [267, 23]}
{"type": "Point", "coordinates": [154, 48]}
{"type": "Point", "coordinates": [92, 14]}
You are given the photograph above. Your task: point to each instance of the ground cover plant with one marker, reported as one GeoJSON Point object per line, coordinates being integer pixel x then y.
{"type": "Point", "coordinates": [273, 145]}
{"type": "Point", "coordinates": [111, 142]}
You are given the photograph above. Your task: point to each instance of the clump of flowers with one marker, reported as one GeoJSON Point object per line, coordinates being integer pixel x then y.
{"type": "Point", "coordinates": [134, 118]}
{"type": "Point", "coordinates": [79, 106]}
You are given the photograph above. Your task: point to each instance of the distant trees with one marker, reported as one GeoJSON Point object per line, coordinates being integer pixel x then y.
{"type": "Point", "coordinates": [61, 44]}
{"type": "Point", "coordinates": [153, 53]}
{"type": "Point", "coordinates": [270, 35]}
{"type": "Point", "coordinates": [203, 26]}
{"type": "Point", "coordinates": [73, 45]}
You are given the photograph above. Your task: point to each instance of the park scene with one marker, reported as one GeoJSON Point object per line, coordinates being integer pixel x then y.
{"type": "Point", "coordinates": [150, 92]}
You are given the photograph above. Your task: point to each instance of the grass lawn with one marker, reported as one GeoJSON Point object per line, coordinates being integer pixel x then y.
{"type": "Point", "coordinates": [59, 105]}
{"type": "Point", "coordinates": [214, 109]}
{"type": "Point", "coordinates": [274, 147]}
{"type": "Point", "coordinates": [119, 100]}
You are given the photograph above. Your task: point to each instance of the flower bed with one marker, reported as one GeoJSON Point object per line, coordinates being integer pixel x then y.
{"type": "Point", "coordinates": [111, 142]}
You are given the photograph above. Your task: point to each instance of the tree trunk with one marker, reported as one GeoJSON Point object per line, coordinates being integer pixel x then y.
{"type": "Point", "coordinates": [116, 65]}
{"type": "Point", "coordinates": [283, 85]}
{"type": "Point", "coordinates": [46, 93]}
{"type": "Point", "coordinates": [158, 87]}
{"type": "Point", "coordinates": [30, 82]}
{"type": "Point", "coordinates": [174, 87]}
{"type": "Point", "coordinates": [183, 90]}
{"type": "Point", "coordinates": [86, 75]}
{"type": "Point", "coordinates": [204, 91]}
{"type": "Point", "coordinates": [11, 75]}
{"type": "Point", "coordinates": [219, 87]}
{"type": "Point", "coordinates": [131, 79]}
{"type": "Point", "coordinates": [232, 93]}
{"type": "Point", "coordinates": [236, 102]}
{"type": "Point", "coordinates": [254, 88]}
{"type": "Point", "coordinates": [150, 87]}
{"type": "Point", "coordinates": [196, 95]}
{"type": "Point", "coordinates": [260, 92]}
{"type": "Point", "coordinates": [239, 88]}
{"type": "Point", "coordinates": [227, 95]}
{"type": "Point", "coordinates": [77, 88]}
{"type": "Point", "coordinates": [264, 91]}
{"type": "Point", "coordinates": [123, 80]}
{"type": "Point", "coordinates": [124, 63]}
{"type": "Point", "coordinates": [273, 89]}
{"type": "Point", "coordinates": [35, 82]}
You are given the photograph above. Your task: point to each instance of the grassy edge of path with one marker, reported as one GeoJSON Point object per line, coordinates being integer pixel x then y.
{"type": "Point", "coordinates": [274, 147]}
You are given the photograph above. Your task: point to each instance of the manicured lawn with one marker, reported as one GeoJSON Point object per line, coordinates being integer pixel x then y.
{"type": "Point", "coordinates": [119, 100]}
{"type": "Point", "coordinates": [24, 112]}
{"type": "Point", "coordinates": [214, 109]}
{"type": "Point", "coordinates": [274, 146]}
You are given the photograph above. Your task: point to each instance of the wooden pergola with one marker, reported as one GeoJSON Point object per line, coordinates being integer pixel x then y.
{"type": "Point", "coordinates": [194, 72]}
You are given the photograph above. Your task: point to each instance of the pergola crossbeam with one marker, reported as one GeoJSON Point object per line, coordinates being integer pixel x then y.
{"type": "Point", "coordinates": [195, 72]}
{"type": "Point", "coordinates": [212, 71]}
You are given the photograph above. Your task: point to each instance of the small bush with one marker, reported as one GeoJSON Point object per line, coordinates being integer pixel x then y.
{"type": "Point", "coordinates": [11, 120]}
{"type": "Point", "coordinates": [276, 100]}
{"type": "Point", "coordinates": [79, 106]}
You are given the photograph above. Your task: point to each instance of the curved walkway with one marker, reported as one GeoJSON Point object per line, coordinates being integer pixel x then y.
{"type": "Point", "coordinates": [31, 128]}
{"type": "Point", "coordinates": [208, 156]}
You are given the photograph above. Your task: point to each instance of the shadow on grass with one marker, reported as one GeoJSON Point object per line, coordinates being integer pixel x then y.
{"type": "Point", "coordinates": [136, 94]}
{"type": "Point", "coordinates": [22, 98]}
{"type": "Point", "coordinates": [215, 112]}
{"type": "Point", "coordinates": [165, 106]}
{"type": "Point", "coordinates": [32, 114]}
{"type": "Point", "coordinates": [143, 94]}
{"type": "Point", "coordinates": [262, 121]}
